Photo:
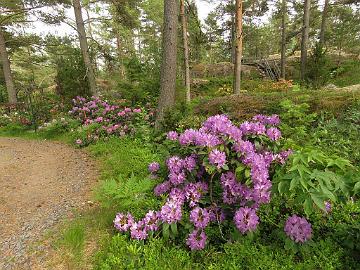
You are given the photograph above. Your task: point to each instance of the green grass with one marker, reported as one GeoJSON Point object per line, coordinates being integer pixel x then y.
{"type": "Point", "coordinates": [74, 239]}
{"type": "Point", "coordinates": [123, 157]}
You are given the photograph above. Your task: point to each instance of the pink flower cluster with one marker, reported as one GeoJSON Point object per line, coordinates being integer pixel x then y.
{"type": "Point", "coordinates": [114, 120]}
{"type": "Point", "coordinates": [213, 154]}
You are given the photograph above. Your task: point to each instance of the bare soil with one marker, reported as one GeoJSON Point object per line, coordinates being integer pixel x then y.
{"type": "Point", "coordinates": [41, 184]}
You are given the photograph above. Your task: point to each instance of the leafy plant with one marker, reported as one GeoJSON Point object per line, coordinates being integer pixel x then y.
{"type": "Point", "coordinates": [312, 178]}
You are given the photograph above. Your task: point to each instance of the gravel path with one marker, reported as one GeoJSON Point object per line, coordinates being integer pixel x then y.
{"type": "Point", "coordinates": [41, 183]}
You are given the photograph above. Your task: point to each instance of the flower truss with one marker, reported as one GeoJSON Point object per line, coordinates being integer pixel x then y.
{"type": "Point", "coordinates": [221, 172]}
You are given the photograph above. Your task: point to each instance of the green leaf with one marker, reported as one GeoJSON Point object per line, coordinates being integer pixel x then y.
{"type": "Point", "coordinates": [328, 193]}
{"type": "Point", "coordinates": [304, 183]}
{"type": "Point", "coordinates": [165, 231]}
{"type": "Point", "coordinates": [357, 188]}
{"type": "Point", "coordinates": [240, 168]}
{"type": "Point", "coordinates": [247, 173]}
{"type": "Point", "coordinates": [282, 187]}
{"type": "Point", "coordinates": [308, 207]}
{"type": "Point", "coordinates": [340, 163]}
{"type": "Point", "coordinates": [294, 182]}
{"type": "Point", "coordinates": [318, 200]}
{"type": "Point", "coordinates": [174, 229]}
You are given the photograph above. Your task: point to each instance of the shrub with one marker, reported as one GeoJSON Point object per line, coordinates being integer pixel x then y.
{"type": "Point", "coordinates": [221, 171]}
{"type": "Point", "coordinates": [101, 119]}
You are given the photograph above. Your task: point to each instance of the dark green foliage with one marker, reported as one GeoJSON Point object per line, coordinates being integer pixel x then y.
{"type": "Point", "coordinates": [340, 135]}
{"type": "Point", "coordinates": [71, 76]}
{"type": "Point", "coordinates": [141, 85]}
{"type": "Point", "coordinates": [318, 68]}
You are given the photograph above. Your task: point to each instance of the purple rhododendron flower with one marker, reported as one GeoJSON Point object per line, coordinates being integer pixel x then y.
{"type": "Point", "coordinates": [171, 212]}
{"type": "Point", "coordinates": [177, 195]}
{"type": "Point", "coordinates": [172, 136]}
{"type": "Point", "coordinates": [273, 133]}
{"type": "Point", "coordinates": [200, 217]}
{"type": "Point", "coordinates": [154, 167]}
{"type": "Point", "coordinates": [206, 139]}
{"type": "Point", "coordinates": [190, 163]}
{"type": "Point", "coordinates": [175, 164]}
{"type": "Point", "coordinates": [298, 229]}
{"type": "Point", "coordinates": [244, 147]}
{"type": "Point", "coordinates": [217, 158]}
{"type": "Point", "coordinates": [137, 110]}
{"type": "Point", "coordinates": [123, 222]}
{"type": "Point", "coordinates": [151, 220]}
{"type": "Point", "coordinates": [162, 188]}
{"type": "Point", "coordinates": [192, 194]}
{"type": "Point", "coordinates": [272, 120]}
{"type": "Point", "coordinates": [138, 231]}
{"type": "Point", "coordinates": [246, 219]}
{"type": "Point", "coordinates": [177, 178]}
{"type": "Point", "coordinates": [196, 240]}
{"type": "Point", "coordinates": [188, 137]}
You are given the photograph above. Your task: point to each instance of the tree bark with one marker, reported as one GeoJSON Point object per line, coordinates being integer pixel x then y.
{"type": "Point", "coordinates": [7, 70]}
{"type": "Point", "coordinates": [323, 24]}
{"type": "Point", "coordinates": [186, 50]}
{"type": "Point", "coordinates": [283, 39]}
{"type": "Point", "coordinates": [168, 64]}
{"type": "Point", "coordinates": [238, 47]}
{"type": "Point", "coordinates": [305, 39]}
{"type": "Point", "coordinates": [233, 34]}
{"type": "Point", "coordinates": [120, 56]}
{"type": "Point", "coordinates": [95, 65]}
{"type": "Point", "coordinates": [84, 47]}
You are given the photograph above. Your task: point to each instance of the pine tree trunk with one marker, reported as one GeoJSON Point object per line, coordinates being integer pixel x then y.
{"type": "Point", "coordinates": [238, 47]}
{"type": "Point", "coordinates": [186, 50]}
{"type": "Point", "coordinates": [168, 64]}
{"type": "Point", "coordinates": [305, 39]}
{"type": "Point", "coordinates": [233, 34]}
{"type": "Point", "coordinates": [120, 56]}
{"type": "Point", "coordinates": [90, 31]}
{"type": "Point", "coordinates": [84, 47]}
{"type": "Point", "coordinates": [323, 24]}
{"type": "Point", "coordinates": [7, 70]}
{"type": "Point", "coordinates": [283, 39]}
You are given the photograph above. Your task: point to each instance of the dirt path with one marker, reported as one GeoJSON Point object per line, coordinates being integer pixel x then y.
{"type": "Point", "coordinates": [40, 184]}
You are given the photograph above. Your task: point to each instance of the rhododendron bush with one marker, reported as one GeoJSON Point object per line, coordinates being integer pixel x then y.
{"type": "Point", "coordinates": [218, 175]}
{"type": "Point", "coordinates": [108, 119]}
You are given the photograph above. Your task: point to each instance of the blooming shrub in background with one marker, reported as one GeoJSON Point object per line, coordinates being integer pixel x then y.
{"type": "Point", "coordinates": [219, 175]}
{"type": "Point", "coordinates": [107, 119]}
